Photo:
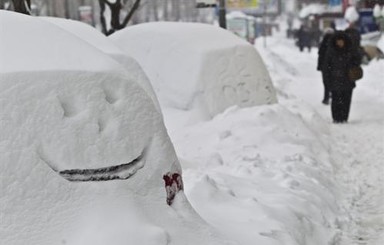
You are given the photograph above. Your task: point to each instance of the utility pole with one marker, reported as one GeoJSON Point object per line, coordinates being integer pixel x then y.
{"type": "Point", "coordinates": [222, 13]}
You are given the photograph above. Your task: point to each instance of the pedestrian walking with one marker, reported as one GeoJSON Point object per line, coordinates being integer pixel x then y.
{"type": "Point", "coordinates": [340, 57]}
{"type": "Point", "coordinates": [324, 44]}
{"type": "Point", "coordinates": [304, 38]}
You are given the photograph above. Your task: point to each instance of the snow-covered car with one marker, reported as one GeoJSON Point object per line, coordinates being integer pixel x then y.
{"type": "Point", "coordinates": [371, 44]}
{"type": "Point", "coordinates": [242, 25]}
{"type": "Point", "coordinates": [84, 154]}
{"type": "Point", "coordinates": [380, 43]}
{"type": "Point", "coordinates": [192, 65]}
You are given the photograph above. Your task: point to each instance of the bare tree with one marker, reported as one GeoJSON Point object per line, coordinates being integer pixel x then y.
{"type": "Point", "coordinates": [116, 8]}
{"type": "Point", "coordinates": [2, 4]}
{"type": "Point", "coordinates": [165, 10]}
{"type": "Point", "coordinates": [176, 10]}
{"type": "Point", "coordinates": [22, 6]}
{"type": "Point", "coordinates": [155, 10]}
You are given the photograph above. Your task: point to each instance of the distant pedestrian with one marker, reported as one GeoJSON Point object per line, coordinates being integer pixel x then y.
{"type": "Point", "coordinates": [340, 57]}
{"type": "Point", "coordinates": [324, 44]}
{"type": "Point", "coordinates": [304, 38]}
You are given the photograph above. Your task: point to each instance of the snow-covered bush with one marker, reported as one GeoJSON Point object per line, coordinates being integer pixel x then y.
{"type": "Point", "coordinates": [83, 148]}
{"type": "Point", "coordinates": [196, 65]}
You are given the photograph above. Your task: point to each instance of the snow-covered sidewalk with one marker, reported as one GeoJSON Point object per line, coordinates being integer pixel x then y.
{"type": "Point", "coordinates": [356, 149]}
{"type": "Point", "coordinates": [284, 174]}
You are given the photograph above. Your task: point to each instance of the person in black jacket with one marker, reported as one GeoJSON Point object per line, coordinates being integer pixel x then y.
{"type": "Point", "coordinates": [320, 62]}
{"type": "Point", "coordinates": [304, 38]}
{"type": "Point", "coordinates": [339, 58]}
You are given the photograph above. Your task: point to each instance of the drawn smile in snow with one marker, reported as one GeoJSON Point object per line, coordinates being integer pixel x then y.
{"type": "Point", "coordinates": [122, 171]}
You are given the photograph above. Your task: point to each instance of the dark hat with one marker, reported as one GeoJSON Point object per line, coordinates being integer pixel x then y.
{"type": "Point", "coordinates": [341, 35]}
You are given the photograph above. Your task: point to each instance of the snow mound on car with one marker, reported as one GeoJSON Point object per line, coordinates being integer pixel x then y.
{"type": "Point", "coordinates": [83, 149]}
{"type": "Point", "coordinates": [101, 42]}
{"type": "Point", "coordinates": [198, 65]}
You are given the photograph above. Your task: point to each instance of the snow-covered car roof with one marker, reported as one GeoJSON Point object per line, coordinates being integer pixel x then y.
{"type": "Point", "coordinates": [85, 93]}
{"type": "Point", "coordinates": [191, 63]}
{"type": "Point", "coordinates": [101, 42]}
{"type": "Point", "coordinates": [37, 52]}
{"type": "Point", "coordinates": [312, 9]}
{"type": "Point", "coordinates": [236, 14]}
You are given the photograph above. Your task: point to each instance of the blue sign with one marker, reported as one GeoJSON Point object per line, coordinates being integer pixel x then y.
{"type": "Point", "coordinates": [334, 2]}
{"type": "Point", "coordinates": [366, 21]}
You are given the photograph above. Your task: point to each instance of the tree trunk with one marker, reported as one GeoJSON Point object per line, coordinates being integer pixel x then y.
{"type": "Point", "coordinates": [115, 8]}
{"type": "Point", "coordinates": [165, 10]}
{"type": "Point", "coordinates": [2, 4]}
{"type": "Point", "coordinates": [176, 10]}
{"type": "Point", "coordinates": [102, 18]}
{"type": "Point", "coordinates": [155, 10]}
{"type": "Point", "coordinates": [115, 15]}
{"type": "Point", "coordinates": [22, 6]}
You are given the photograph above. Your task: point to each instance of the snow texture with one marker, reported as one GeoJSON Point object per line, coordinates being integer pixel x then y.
{"type": "Point", "coordinates": [200, 66]}
{"type": "Point", "coordinates": [70, 112]}
{"type": "Point", "coordinates": [101, 42]}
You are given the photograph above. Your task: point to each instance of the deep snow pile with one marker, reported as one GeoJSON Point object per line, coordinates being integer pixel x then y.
{"type": "Point", "coordinates": [198, 67]}
{"type": "Point", "coordinates": [262, 175]}
{"type": "Point", "coordinates": [83, 148]}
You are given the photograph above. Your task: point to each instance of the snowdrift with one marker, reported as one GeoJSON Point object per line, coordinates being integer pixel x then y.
{"type": "Point", "coordinates": [84, 154]}
{"type": "Point", "coordinates": [263, 175]}
{"type": "Point", "coordinates": [198, 66]}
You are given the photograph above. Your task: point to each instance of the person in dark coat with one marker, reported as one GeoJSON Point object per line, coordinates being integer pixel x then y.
{"type": "Point", "coordinates": [304, 38]}
{"type": "Point", "coordinates": [339, 58]}
{"type": "Point", "coordinates": [320, 63]}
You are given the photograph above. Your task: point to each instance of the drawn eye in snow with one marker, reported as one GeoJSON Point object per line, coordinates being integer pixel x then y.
{"type": "Point", "coordinates": [173, 184]}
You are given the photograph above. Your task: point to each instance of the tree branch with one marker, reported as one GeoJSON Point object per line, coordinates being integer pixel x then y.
{"type": "Point", "coordinates": [102, 18]}
{"type": "Point", "coordinates": [130, 14]}
{"type": "Point", "coordinates": [107, 2]}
